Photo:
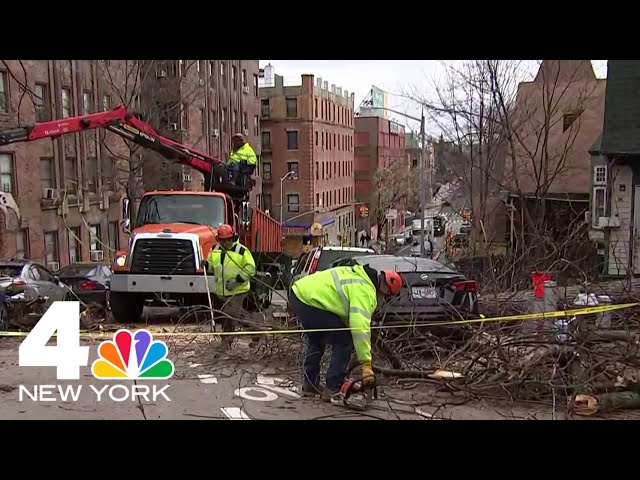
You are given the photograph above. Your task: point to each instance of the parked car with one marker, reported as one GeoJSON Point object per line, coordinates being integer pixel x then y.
{"type": "Point", "coordinates": [321, 258]}
{"type": "Point", "coordinates": [32, 278]}
{"type": "Point", "coordinates": [431, 290]}
{"type": "Point", "coordinates": [415, 248]}
{"type": "Point", "coordinates": [88, 281]}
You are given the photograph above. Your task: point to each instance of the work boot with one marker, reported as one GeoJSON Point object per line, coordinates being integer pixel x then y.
{"type": "Point", "coordinates": [309, 390]}
{"type": "Point", "coordinates": [334, 398]}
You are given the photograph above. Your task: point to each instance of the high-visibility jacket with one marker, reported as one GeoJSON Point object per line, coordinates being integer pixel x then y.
{"type": "Point", "coordinates": [347, 292]}
{"type": "Point", "coordinates": [244, 154]}
{"type": "Point", "coordinates": [235, 263]}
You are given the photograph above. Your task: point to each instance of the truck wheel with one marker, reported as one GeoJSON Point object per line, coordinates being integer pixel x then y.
{"type": "Point", "coordinates": [126, 307]}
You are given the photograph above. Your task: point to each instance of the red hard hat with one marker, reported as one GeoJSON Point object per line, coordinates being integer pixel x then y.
{"type": "Point", "coordinates": [393, 281]}
{"type": "Point", "coordinates": [225, 232]}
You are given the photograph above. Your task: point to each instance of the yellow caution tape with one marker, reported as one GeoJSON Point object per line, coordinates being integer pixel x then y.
{"type": "Point", "coordinates": [508, 318]}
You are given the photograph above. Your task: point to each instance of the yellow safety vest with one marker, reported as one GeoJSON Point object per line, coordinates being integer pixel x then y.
{"type": "Point", "coordinates": [229, 264]}
{"type": "Point", "coordinates": [244, 154]}
{"type": "Point", "coordinates": [348, 293]}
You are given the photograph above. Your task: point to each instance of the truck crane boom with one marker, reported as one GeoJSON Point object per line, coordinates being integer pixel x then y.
{"type": "Point", "coordinates": [129, 125]}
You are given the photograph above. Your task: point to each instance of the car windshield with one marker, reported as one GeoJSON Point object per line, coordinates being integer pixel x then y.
{"type": "Point", "coordinates": [10, 270]}
{"type": "Point", "coordinates": [405, 265]}
{"type": "Point", "coordinates": [79, 271]}
{"type": "Point", "coordinates": [197, 209]}
{"type": "Point", "coordinates": [327, 257]}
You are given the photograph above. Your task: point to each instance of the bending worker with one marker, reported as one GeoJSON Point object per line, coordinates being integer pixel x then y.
{"type": "Point", "coordinates": [233, 267]}
{"type": "Point", "coordinates": [337, 298]}
{"type": "Point", "coordinates": [243, 158]}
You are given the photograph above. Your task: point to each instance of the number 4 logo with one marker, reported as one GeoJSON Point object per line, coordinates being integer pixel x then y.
{"type": "Point", "coordinates": [68, 356]}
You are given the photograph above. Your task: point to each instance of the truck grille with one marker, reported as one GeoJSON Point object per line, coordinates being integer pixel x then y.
{"type": "Point", "coordinates": [163, 256]}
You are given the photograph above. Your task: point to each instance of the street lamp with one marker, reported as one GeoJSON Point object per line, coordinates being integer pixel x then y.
{"type": "Point", "coordinates": [281, 191]}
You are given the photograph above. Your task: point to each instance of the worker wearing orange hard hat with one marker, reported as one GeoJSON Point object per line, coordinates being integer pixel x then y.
{"type": "Point", "coordinates": [334, 299]}
{"type": "Point", "coordinates": [233, 267]}
{"type": "Point", "coordinates": [243, 158]}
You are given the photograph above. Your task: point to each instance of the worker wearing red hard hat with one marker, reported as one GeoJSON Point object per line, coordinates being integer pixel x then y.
{"type": "Point", "coordinates": [233, 267]}
{"type": "Point", "coordinates": [334, 299]}
{"type": "Point", "coordinates": [243, 158]}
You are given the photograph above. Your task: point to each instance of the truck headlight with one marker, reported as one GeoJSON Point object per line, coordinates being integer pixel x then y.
{"type": "Point", "coordinates": [121, 260]}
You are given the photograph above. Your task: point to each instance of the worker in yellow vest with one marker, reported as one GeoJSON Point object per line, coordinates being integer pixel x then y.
{"type": "Point", "coordinates": [337, 298]}
{"type": "Point", "coordinates": [233, 267]}
{"type": "Point", "coordinates": [242, 161]}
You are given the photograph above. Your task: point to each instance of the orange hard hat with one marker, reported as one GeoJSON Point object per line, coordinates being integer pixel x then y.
{"type": "Point", "coordinates": [393, 281]}
{"type": "Point", "coordinates": [225, 232]}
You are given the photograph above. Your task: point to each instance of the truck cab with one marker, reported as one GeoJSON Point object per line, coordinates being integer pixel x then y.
{"type": "Point", "coordinates": [171, 238]}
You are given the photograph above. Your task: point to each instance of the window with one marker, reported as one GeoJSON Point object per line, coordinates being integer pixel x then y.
{"type": "Point", "coordinates": [74, 245]}
{"type": "Point", "coordinates": [568, 119]}
{"type": "Point", "coordinates": [292, 107]}
{"type": "Point", "coordinates": [203, 121]}
{"type": "Point", "coordinates": [4, 92]}
{"type": "Point", "coordinates": [92, 174]}
{"type": "Point", "coordinates": [600, 175]}
{"type": "Point", "coordinates": [245, 123]}
{"type": "Point", "coordinates": [316, 138]}
{"type": "Point", "coordinates": [87, 103]}
{"type": "Point", "coordinates": [599, 204]}
{"type": "Point", "coordinates": [47, 179]}
{"type": "Point", "coordinates": [234, 77]}
{"type": "Point", "coordinates": [265, 108]}
{"type": "Point", "coordinates": [317, 171]}
{"type": "Point", "coordinates": [292, 139]}
{"type": "Point", "coordinates": [234, 120]}
{"type": "Point", "coordinates": [213, 118]}
{"type": "Point", "coordinates": [266, 171]}
{"type": "Point", "coordinates": [222, 69]}
{"type": "Point", "coordinates": [293, 167]}
{"type": "Point", "coordinates": [266, 201]}
{"type": "Point", "coordinates": [94, 237]}
{"type": "Point", "coordinates": [184, 116]}
{"type": "Point", "coordinates": [317, 199]}
{"type": "Point", "coordinates": [266, 140]}
{"type": "Point", "coordinates": [114, 238]}
{"type": "Point", "coordinates": [223, 121]}
{"type": "Point", "coordinates": [6, 172]}
{"type": "Point", "coordinates": [22, 244]}
{"type": "Point", "coordinates": [211, 67]}
{"type": "Point", "coordinates": [244, 78]}
{"type": "Point", "coordinates": [41, 102]}
{"type": "Point", "coordinates": [66, 103]}
{"type": "Point", "coordinates": [315, 111]}
{"type": "Point", "coordinates": [71, 174]}
{"type": "Point", "coordinates": [293, 202]}
{"type": "Point", "coordinates": [106, 102]}
{"type": "Point", "coordinates": [256, 88]}
{"type": "Point", "coordinates": [108, 164]}
{"type": "Point", "coordinates": [51, 246]}
{"type": "Point", "coordinates": [256, 125]}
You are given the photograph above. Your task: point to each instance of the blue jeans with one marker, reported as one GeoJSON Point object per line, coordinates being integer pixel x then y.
{"type": "Point", "coordinates": [341, 344]}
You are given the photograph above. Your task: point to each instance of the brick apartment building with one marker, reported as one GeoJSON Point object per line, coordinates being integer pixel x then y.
{"type": "Point", "coordinates": [73, 205]}
{"type": "Point", "coordinates": [308, 129]}
{"type": "Point", "coordinates": [201, 103]}
{"type": "Point", "coordinates": [379, 145]}
{"type": "Point", "coordinates": [65, 187]}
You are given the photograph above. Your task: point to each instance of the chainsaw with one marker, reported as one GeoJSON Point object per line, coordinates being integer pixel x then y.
{"type": "Point", "coordinates": [355, 396]}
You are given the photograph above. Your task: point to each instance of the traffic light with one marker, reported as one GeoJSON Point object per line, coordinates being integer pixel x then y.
{"type": "Point", "coordinates": [364, 212]}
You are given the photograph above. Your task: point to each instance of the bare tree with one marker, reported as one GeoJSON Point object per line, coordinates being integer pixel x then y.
{"type": "Point", "coordinates": [161, 92]}
{"type": "Point", "coordinates": [393, 186]}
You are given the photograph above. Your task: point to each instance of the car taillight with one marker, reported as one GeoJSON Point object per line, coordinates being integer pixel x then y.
{"type": "Point", "coordinates": [88, 285]}
{"type": "Point", "coordinates": [465, 286]}
{"type": "Point", "coordinates": [18, 282]}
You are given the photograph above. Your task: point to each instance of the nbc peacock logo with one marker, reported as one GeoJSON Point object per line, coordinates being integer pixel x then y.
{"type": "Point", "coordinates": [132, 356]}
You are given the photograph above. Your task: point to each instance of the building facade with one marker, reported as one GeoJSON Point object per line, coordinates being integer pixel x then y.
{"type": "Point", "coordinates": [200, 103]}
{"type": "Point", "coordinates": [68, 189]}
{"type": "Point", "coordinates": [380, 149]}
{"type": "Point", "coordinates": [307, 159]}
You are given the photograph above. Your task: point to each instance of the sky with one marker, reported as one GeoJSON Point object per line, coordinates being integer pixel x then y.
{"type": "Point", "coordinates": [394, 76]}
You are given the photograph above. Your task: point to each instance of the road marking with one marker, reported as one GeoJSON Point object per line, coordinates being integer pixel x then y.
{"type": "Point", "coordinates": [270, 384]}
{"type": "Point", "coordinates": [206, 378]}
{"type": "Point", "coordinates": [243, 392]}
{"type": "Point", "coordinates": [235, 413]}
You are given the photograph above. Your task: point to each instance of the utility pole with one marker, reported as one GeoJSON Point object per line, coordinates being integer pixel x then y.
{"type": "Point", "coordinates": [423, 200]}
